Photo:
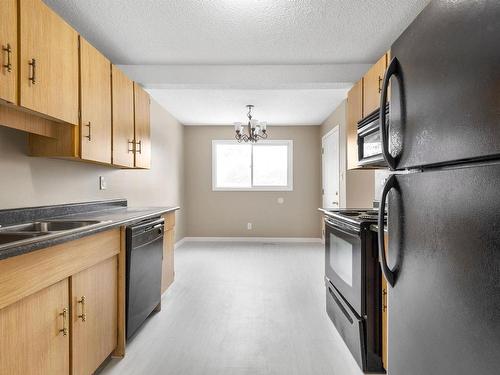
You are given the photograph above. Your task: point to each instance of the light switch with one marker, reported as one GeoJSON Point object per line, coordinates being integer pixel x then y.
{"type": "Point", "coordinates": [102, 183]}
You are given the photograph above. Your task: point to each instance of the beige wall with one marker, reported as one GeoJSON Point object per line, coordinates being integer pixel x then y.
{"type": "Point", "coordinates": [30, 181]}
{"type": "Point", "coordinates": [218, 214]}
{"type": "Point", "coordinates": [356, 186]}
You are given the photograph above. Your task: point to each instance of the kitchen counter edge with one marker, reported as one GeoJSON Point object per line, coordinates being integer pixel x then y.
{"type": "Point", "coordinates": [20, 249]}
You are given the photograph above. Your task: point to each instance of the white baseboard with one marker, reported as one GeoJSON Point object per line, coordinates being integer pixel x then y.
{"type": "Point", "coordinates": [179, 243]}
{"type": "Point", "coordinates": [250, 239]}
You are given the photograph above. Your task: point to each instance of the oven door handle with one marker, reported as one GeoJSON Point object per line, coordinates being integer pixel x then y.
{"type": "Point", "coordinates": [390, 275]}
{"type": "Point", "coordinates": [392, 70]}
{"type": "Point", "coordinates": [343, 229]}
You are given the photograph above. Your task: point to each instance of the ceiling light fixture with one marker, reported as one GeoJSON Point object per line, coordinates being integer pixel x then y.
{"type": "Point", "coordinates": [256, 129]}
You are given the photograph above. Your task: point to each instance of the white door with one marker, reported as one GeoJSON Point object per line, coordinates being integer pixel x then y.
{"type": "Point", "coordinates": [331, 169]}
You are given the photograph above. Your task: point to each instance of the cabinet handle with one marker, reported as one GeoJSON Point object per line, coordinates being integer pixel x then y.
{"type": "Point", "coordinates": [384, 300]}
{"type": "Point", "coordinates": [64, 315]}
{"type": "Point", "coordinates": [133, 146]}
{"type": "Point", "coordinates": [89, 136]}
{"type": "Point", "coordinates": [83, 316]}
{"type": "Point", "coordinates": [32, 76]}
{"type": "Point", "coordinates": [8, 49]}
{"type": "Point", "coordinates": [380, 79]}
{"type": "Point", "coordinates": [138, 150]}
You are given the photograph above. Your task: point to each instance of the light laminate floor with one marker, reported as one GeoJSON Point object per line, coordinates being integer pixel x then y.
{"type": "Point", "coordinates": [241, 308]}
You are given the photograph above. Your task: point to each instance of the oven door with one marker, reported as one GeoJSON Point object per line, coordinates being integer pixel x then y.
{"type": "Point", "coordinates": [343, 261]}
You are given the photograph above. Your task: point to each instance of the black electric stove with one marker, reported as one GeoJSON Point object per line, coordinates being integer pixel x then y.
{"type": "Point", "coordinates": [353, 283]}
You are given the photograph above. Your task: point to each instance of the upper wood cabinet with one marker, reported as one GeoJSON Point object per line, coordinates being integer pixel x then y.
{"type": "Point", "coordinates": [123, 118]}
{"type": "Point", "coordinates": [34, 335]}
{"type": "Point", "coordinates": [52, 78]}
{"type": "Point", "coordinates": [142, 128]}
{"type": "Point", "coordinates": [354, 114]}
{"type": "Point", "coordinates": [8, 45]}
{"type": "Point", "coordinates": [48, 62]}
{"type": "Point", "coordinates": [94, 315]}
{"type": "Point", "coordinates": [372, 86]}
{"type": "Point", "coordinates": [95, 101]}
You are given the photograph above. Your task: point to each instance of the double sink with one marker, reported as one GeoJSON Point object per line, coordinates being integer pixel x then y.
{"type": "Point", "coordinates": [30, 232]}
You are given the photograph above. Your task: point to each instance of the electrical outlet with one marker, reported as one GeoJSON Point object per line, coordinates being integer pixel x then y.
{"type": "Point", "coordinates": [249, 226]}
{"type": "Point", "coordinates": [102, 183]}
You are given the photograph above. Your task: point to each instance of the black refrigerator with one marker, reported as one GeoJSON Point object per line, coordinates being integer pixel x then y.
{"type": "Point", "coordinates": [443, 139]}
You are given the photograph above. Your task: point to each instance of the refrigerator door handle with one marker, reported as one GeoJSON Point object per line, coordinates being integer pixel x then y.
{"type": "Point", "coordinates": [392, 69]}
{"type": "Point", "coordinates": [390, 275]}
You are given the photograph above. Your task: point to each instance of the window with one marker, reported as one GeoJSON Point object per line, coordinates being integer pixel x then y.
{"type": "Point", "coordinates": [266, 165]}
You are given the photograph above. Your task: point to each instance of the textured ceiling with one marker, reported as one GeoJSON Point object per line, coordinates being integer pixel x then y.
{"type": "Point", "coordinates": [222, 107]}
{"type": "Point", "coordinates": [240, 31]}
{"type": "Point", "coordinates": [203, 60]}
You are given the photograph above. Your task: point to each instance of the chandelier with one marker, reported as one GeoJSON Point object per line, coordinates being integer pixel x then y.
{"type": "Point", "coordinates": [256, 129]}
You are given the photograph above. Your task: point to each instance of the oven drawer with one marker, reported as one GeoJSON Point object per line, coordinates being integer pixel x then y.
{"type": "Point", "coordinates": [349, 325]}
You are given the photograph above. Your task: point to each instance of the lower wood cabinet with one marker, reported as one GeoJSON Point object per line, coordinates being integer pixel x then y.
{"type": "Point", "coordinates": [385, 305]}
{"type": "Point", "coordinates": [168, 252]}
{"type": "Point", "coordinates": [94, 300]}
{"type": "Point", "coordinates": [59, 307]}
{"type": "Point", "coordinates": [34, 333]}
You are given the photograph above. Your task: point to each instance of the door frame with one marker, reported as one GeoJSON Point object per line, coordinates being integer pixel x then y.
{"type": "Point", "coordinates": [335, 129]}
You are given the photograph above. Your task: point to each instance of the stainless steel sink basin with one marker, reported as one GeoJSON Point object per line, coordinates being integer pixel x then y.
{"type": "Point", "coordinates": [51, 226]}
{"type": "Point", "coordinates": [30, 232]}
{"type": "Point", "coordinates": [13, 237]}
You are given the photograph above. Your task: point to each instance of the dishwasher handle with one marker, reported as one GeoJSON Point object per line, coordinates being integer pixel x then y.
{"type": "Point", "coordinates": [147, 226]}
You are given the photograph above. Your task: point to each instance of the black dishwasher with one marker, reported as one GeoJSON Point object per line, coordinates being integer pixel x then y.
{"type": "Point", "coordinates": [144, 270]}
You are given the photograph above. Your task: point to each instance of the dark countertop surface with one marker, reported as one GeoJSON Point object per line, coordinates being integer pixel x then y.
{"type": "Point", "coordinates": [112, 214]}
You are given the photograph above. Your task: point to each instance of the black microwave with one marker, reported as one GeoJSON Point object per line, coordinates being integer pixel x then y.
{"type": "Point", "coordinates": [370, 140]}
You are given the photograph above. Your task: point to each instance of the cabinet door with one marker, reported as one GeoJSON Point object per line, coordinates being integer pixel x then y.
{"type": "Point", "coordinates": [95, 91]}
{"type": "Point", "coordinates": [31, 339]}
{"type": "Point", "coordinates": [168, 272]}
{"type": "Point", "coordinates": [94, 315]}
{"type": "Point", "coordinates": [123, 118]}
{"type": "Point", "coordinates": [48, 63]}
{"type": "Point", "coordinates": [372, 86]}
{"type": "Point", "coordinates": [385, 299]}
{"type": "Point", "coordinates": [142, 128]}
{"type": "Point", "coordinates": [354, 114]}
{"type": "Point", "coordinates": [8, 45]}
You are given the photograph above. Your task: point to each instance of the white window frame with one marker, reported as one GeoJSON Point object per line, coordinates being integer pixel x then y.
{"type": "Point", "coordinates": [289, 187]}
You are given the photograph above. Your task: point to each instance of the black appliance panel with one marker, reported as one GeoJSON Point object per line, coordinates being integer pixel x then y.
{"type": "Point", "coordinates": [344, 265]}
{"type": "Point", "coordinates": [144, 271]}
{"type": "Point", "coordinates": [444, 250]}
{"type": "Point", "coordinates": [445, 102]}
{"type": "Point", "coordinates": [348, 323]}
{"type": "Point", "coordinates": [370, 141]}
